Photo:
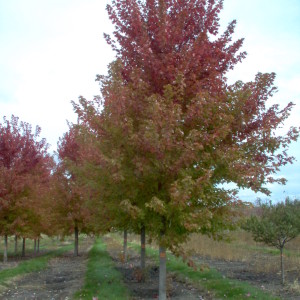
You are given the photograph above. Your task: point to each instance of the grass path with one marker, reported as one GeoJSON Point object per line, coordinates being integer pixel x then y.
{"type": "Point", "coordinates": [102, 280]}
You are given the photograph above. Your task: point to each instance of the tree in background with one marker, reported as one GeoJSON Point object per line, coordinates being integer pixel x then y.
{"type": "Point", "coordinates": [25, 168]}
{"type": "Point", "coordinates": [276, 225]}
{"type": "Point", "coordinates": [70, 206]}
{"type": "Point", "coordinates": [172, 130]}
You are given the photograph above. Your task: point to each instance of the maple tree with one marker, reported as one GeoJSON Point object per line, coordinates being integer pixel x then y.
{"type": "Point", "coordinates": [170, 131]}
{"type": "Point", "coordinates": [100, 167]}
{"type": "Point", "coordinates": [71, 198]}
{"type": "Point", "coordinates": [25, 167]}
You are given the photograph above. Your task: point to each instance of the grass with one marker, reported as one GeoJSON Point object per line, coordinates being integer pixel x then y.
{"type": "Point", "coordinates": [213, 281]}
{"type": "Point", "coordinates": [32, 265]}
{"type": "Point", "coordinates": [46, 244]}
{"type": "Point", "coordinates": [102, 280]}
{"type": "Point", "coordinates": [210, 279]}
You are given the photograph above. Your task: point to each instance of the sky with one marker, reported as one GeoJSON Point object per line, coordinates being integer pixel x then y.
{"type": "Point", "coordinates": [51, 51]}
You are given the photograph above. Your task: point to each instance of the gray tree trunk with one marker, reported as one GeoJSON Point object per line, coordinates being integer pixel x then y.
{"type": "Point", "coordinates": [38, 245]}
{"type": "Point", "coordinates": [143, 253]}
{"type": "Point", "coordinates": [76, 240]}
{"type": "Point", "coordinates": [143, 248]}
{"type": "Point", "coordinates": [282, 266]}
{"type": "Point", "coordinates": [16, 244]}
{"type": "Point", "coordinates": [23, 247]}
{"type": "Point", "coordinates": [5, 249]}
{"type": "Point", "coordinates": [125, 245]}
{"type": "Point", "coordinates": [34, 246]}
{"type": "Point", "coordinates": [162, 273]}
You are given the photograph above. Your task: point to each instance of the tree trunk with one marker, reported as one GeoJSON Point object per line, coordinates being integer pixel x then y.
{"type": "Point", "coordinates": [38, 245]}
{"type": "Point", "coordinates": [143, 248]}
{"type": "Point", "coordinates": [34, 246]}
{"type": "Point", "coordinates": [5, 249]}
{"type": "Point", "coordinates": [23, 247]}
{"type": "Point", "coordinates": [125, 245]}
{"type": "Point", "coordinates": [282, 266]}
{"type": "Point", "coordinates": [162, 273]}
{"type": "Point", "coordinates": [76, 241]}
{"type": "Point", "coordinates": [16, 244]}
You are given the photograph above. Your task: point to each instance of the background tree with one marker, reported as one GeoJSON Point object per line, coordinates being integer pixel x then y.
{"type": "Point", "coordinates": [25, 166]}
{"type": "Point", "coordinates": [72, 205]}
{"type": "Point", "coordinates": [276, 225]}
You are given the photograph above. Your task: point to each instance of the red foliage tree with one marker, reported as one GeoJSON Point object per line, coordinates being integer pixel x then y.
{"type": "Point", "coordinates": [25, 168]}
{"type": "Point", "coordinates": [72, 205]}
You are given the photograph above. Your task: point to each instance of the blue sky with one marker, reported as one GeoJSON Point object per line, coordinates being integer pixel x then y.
{"type": "Point", "coordinates": [51, 50]}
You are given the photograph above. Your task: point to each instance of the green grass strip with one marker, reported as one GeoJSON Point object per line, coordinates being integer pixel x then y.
{"type": "Point", "coordinates": [211, 280]}
{"type": "Point", "coordinates": [102, 280]}
{"type": "Point", "coordinates": [32, 265]}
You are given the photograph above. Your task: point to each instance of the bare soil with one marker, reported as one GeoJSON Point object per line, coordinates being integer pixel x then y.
{"type": "Point", "coordinates": [244, 271]}
{"type": "Point", "coordinates": [60, 280]}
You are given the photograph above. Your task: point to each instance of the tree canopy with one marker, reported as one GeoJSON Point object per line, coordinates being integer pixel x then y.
{"type": "Point", "coordinates": [25, 167]}
{"type": "Point", "coordinates": [169, 128]}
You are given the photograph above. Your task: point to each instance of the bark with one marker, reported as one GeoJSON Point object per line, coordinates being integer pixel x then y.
{"type": "Point", "coordinates": [143, 248]}
{"type": "Point", "coordinates": [34, 247]}
{"type": "Point", "coordinates": [5, 249]}
{"type": "Point", "coordinates": [282, 266]}
{"type": "Point", "coordinates": [38, 245]}
{"type": "Point", "coordinates": [16, 244]}
{"type": "Point", "coordinates": [125, 245]}
{"type": "Point", "coordinates": [162, 273]}
{"type": "Point", "coordinates": [23, 247]}
{"type": "Point", "coordinates": [76, 240]}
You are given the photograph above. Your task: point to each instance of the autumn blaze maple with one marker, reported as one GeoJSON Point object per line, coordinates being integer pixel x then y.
{"type": "Point", "coordinates": [25, 169]}
{"type": "Point", "coordinates": [71, 205]}
{"type": "Point", "coordinates": [171, 131]}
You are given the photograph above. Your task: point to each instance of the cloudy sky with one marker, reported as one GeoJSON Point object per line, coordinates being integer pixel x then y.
{"type": "Point", "coordinates": [51, 50]}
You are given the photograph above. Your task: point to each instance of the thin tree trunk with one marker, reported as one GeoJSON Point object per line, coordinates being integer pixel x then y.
{"type": "Point", "coordinates": [16, 244]}
{"type": "Point", "coordinates": [282, 266]}
{"type": "Point", "coordinates": [23, 247]}
{"type": "Point", "coordinates": [34, 247]}
{"type": "Point", "coordinates": [162, 273]}
{"type": "Point", "coordinates": [125, 245]}
{"type": "Point", "coordinates": [38, 245]}
{"type": "Point", "coordinates": [76, 241]}
{"type": "Point", "coordinates": [143, 248]}
{"type": "Point", "coordinates": [5, 249]}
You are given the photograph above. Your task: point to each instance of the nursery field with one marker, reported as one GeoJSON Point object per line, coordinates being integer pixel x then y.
{"type": "Point", "coordinates": [241, 269]}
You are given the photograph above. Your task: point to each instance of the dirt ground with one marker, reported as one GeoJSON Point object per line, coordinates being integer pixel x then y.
{"type": "Point", "coordinates": [63, 277]}
{"type": "Point", "coordinates": [243, 271]}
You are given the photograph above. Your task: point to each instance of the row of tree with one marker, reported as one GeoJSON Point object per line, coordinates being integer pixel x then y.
{"type": "Point", "coordinates": [155, 151]}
